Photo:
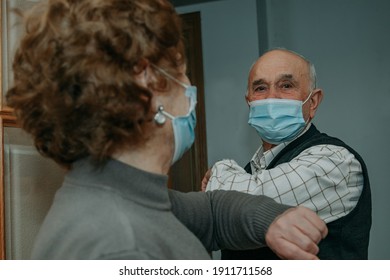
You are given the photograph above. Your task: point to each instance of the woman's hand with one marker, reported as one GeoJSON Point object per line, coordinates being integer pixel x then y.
{"type": "Point", "coordinates": [296, 233]}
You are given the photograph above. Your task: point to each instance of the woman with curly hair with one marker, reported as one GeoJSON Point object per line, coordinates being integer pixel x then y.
{"type": "Point", "coordinates": [101, 87]}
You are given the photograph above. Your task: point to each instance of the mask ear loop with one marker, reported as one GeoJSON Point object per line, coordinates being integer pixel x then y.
{"type": "Point", "coordinates": [166, 74]}
{"type": "Point", "coordinates": [308, 97]}
{"type": "Point", "coordinates": [308, 120]}
{"type": "Point", "coordinates": [160, 117]}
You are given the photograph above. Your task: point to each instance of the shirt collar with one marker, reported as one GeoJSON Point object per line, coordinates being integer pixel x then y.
{"type": "Point", "coordinates": [261, 159]}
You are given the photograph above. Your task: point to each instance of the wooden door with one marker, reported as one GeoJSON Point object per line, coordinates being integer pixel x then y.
{"type": "Point", "coordinates": [186, 175]}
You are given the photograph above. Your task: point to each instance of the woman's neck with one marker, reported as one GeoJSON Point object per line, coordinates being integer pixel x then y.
{"type": "Point", "coordinates": [154, 156]}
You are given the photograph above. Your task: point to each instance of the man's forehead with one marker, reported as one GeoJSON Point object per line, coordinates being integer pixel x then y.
{"type": "Point", "coordinates": [282, 55]}
{"type": "Point", "coordinates": [279, 64]}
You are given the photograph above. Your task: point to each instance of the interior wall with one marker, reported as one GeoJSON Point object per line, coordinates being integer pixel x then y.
{"type": "Point", "coordinates": [230, 46]}
{"type": "Point", "coordinates": [348, 43]}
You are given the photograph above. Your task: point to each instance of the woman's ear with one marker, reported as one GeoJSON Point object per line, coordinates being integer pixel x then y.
{"type": "Point", "coordinates": [141, 70]}
{"type": "Point", "coordinates": [141, 65]}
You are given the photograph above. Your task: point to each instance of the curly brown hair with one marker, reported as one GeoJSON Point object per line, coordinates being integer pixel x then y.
{"type": "Point", "coordinates": [74, 88]}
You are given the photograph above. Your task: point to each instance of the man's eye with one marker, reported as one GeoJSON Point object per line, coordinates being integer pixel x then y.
{"type": "Point", "coordinates": [260, 88]}
{"type": "Point", "coordinates": [287, 85]}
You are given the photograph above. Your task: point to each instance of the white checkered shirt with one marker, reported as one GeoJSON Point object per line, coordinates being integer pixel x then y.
{"type": "Point", "coordinates": [327, 179]}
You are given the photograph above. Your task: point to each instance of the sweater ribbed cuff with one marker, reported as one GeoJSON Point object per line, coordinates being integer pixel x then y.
{"type": "Point", "coordinates": [265, 214]}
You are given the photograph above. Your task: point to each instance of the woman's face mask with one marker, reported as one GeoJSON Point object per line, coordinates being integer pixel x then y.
{"type": "Point", "coordinates": [183, 126]}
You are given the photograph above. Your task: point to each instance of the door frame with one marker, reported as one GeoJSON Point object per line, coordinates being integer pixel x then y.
{"type": "Point", "coordinates": [6, 120]}
{"type": "Point", "coordinates": [186, 175]}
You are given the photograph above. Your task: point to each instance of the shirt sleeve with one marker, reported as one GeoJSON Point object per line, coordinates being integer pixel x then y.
{"type": "Point", "coordinates": [226, 219]}
{"type": "Point", "coordinates": [327, 179]}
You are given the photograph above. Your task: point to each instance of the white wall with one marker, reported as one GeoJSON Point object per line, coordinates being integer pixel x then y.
{"type": "Point", "coordinates": [347, 40]}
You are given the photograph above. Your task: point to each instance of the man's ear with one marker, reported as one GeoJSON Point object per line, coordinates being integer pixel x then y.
{"type": "Point", "coordinates": [315, 101]}
{"type": "Point", "coordinates": [247, 99]}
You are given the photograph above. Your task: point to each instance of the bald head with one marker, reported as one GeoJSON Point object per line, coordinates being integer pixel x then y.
{"type": "Point", "coordinates": [284, 62]}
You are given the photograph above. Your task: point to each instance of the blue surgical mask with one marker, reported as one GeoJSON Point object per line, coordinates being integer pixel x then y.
{"type": "Point", "coordinates": [277, 120]}
{"type": "Point", "coordinates": [183, 126]}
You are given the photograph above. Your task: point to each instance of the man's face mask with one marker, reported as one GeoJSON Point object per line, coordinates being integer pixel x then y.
{"type": "Point", "coordinates": [277, 120]}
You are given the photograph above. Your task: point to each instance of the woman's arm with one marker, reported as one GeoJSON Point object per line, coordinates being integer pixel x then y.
{"type": "Point", "coordinates": [234, 220]}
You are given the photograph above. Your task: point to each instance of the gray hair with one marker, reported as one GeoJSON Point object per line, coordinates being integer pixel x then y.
{"type": "Point", "coordinates": [312, 69]}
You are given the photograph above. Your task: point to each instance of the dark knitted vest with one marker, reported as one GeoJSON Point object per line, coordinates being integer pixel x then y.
{"type": "Point", "coordinates": [348, 236]}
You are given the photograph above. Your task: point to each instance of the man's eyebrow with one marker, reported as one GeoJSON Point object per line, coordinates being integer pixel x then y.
{"type": "Point", "coordinates": [258, 82]}
{"type": "Point", "coordinates": [289, 77]}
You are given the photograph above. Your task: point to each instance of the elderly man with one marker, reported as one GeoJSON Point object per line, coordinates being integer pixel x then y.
{"type": "Point", "coordinates": [296, 164]}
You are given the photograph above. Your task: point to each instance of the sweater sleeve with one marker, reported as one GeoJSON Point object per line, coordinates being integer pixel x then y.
{"type": "Point", "coordinates": [226, 219]}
